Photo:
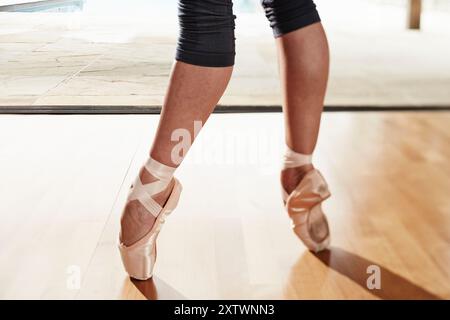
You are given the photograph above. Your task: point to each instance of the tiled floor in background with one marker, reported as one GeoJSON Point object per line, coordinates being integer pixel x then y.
{"type": "Point", "coordinates": [83, 59]}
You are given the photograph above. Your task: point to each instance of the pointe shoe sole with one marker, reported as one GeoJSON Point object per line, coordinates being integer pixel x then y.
{"type": "Point", "coordinates": [304, 206]}
{"type": "Point", "coordinates": [139, 258]}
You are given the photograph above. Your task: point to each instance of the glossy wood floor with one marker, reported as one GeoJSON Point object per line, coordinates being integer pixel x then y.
{"type": "Point", "coordinates": [64, 181]}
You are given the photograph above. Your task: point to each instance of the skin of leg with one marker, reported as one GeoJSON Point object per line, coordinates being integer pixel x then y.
{"type": "Point", "coordinates": [192, 95]}
{"type": "Point", "coordinates": [303, 57]}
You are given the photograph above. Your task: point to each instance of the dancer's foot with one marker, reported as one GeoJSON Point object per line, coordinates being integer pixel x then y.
{"type": "Point", "coordinates": [136, 220]}
{"type": "Point", "coordinates": [304, 189]}
{"type": "Point", "coordinates": [291, 177]}
{"type": "Point", "coordinates": [152, 197]}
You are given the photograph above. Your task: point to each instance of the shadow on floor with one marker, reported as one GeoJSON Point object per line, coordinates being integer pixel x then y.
{"type": "Point", "coordinates": [354, 267]}
{"type": "Point", "coordinates": [156, 289]}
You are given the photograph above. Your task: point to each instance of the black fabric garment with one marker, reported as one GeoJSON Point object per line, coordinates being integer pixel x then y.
{"type": "Point", "coordinates": [207, 27]}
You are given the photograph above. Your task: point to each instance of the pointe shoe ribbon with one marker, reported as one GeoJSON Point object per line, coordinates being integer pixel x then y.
{"type": "Point", "coordinates": [144, 192]}
{"type": "Point", "coordinates": [139, 258]}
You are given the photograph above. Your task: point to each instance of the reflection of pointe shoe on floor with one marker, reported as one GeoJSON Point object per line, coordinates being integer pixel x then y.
{"type": "Point", "coordinates": [304, 206]}
{"type": "Point", "coordinates": [139, 258]}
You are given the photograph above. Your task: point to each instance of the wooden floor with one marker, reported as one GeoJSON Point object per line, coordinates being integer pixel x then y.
{"type": "Point", "coordinates": [64, 181]}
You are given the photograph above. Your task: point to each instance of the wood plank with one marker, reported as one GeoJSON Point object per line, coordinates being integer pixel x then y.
{"type": "Point", "coordinates": [60, 177]}
{"type": "Point", "coordinates": [229, 238]}
{"type": "Point", "coordinates": [414, 13]}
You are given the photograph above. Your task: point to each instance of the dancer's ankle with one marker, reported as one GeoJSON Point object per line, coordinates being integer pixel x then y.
{"type": "Point", "coordinates": [294, 168]}
{"type": "Point", "coordinates": [161, 197]}
{"type": "Point", "coordinates": [149, 194]}
{"type": "Point", "coordinates": [291, 177]}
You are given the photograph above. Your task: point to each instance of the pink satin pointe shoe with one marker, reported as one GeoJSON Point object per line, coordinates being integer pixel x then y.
{"type": "Point", "coordinates": [139, 258]}
{"type": "Point", "coordinates": [304, 206]}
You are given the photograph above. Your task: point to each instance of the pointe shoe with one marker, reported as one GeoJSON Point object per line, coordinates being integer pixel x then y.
{"type": "Point", "coordinates": [304, 206]}
{"type": "Point", "coordinates": [139, 258]}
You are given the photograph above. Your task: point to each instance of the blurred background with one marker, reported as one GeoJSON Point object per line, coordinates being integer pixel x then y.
{"type": "Point", "coordinates": [119, 53]}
